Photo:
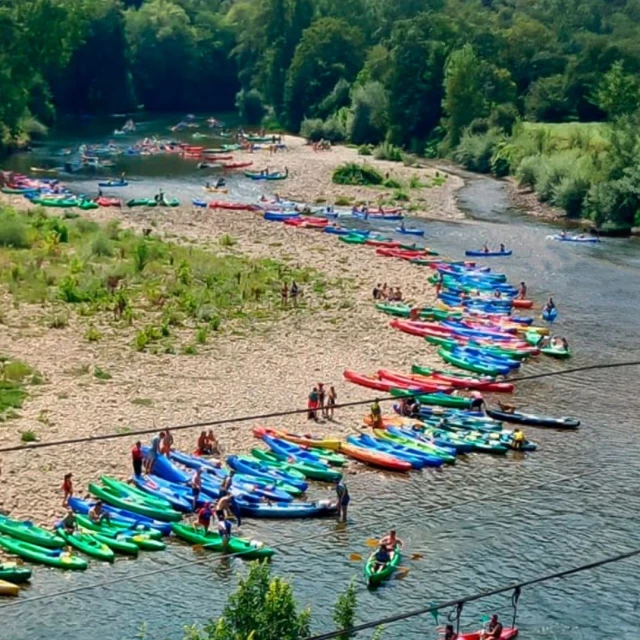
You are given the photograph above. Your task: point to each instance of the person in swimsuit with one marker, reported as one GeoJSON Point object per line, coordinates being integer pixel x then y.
{"type": "Point", "coordinates": [332, 399]}
{"type": "Point", "coordinates": [67, 488]}
{"type": "Point", "coordinates": [502, 248]}
{"type": "Point", "coordinates": [213, 444]}
{"type": "Point", "coordinates": [154, 451]}
{"type": "Point", "coordinates": [518, 439]}
{"type": "Point", "coordinates": [390, 541]}
{"type": "Point", "coordinates": [69, 521]}
{"type": "Point", "coordinates": [495, 629]}
{"type": "Point", "coordinates": [449, 633]}
{"type": "Point", "coordinates": [342, 492]}
{"type": "Point", "coordinates": [224, 528]}
{"type": "Point", "coordinates": [225, 487]}
{"type": "Point", "coordinates": [203, 444]}
{"type": "Point", "coordinates": [166, 443]}
{"type": "Point", "coordinates": [196, 487]}
{"type": "Point", "coordinates": [137, 457]}
{"type": "Point", "coordinates": [204, 516]}
{"type": "Point", "coordinates": [97, 515]}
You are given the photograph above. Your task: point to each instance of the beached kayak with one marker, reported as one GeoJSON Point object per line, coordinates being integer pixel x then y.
{"type": "Point", "coordinates": [253, 469]}
{"type": "Point", "coordinates": [306, 440]}
{"type": "Point", "coordinates": [87, 544]}
{"type": "Point", "coordinates": [375, 458]}
{"type": "Point", "coordinates": [138, 535]}
{"type": "Point", "coordinates": [134, 504]}
{"type": "Point", "coordinates": [556, 352]}
{"type": "Point", "coordinates": [310, 470]}
{"type": "Point", "coordinates": [40, 555]}
{"type": "Point", "coordinates": [8, 588]}
{"type": "Point", "coordinates": [439, 399]}
{"type": "Point", "coordinates": [13, 572]}
{"type": "Point", "coordinates": [534, 420]}
{"type": "Point", "coordinates": [460, 380]}
{"type": "Point", "coordinates": [375, 574]}
{"type": "Point", "coordinates": [281, 510]}
{"type": "Point", "coordinates": [142, 202]}
{"type": "Point", "coordinates": [471, 364]}
{"type": "Point", "coordinates": [212, 541]}
{"type": "Point", "coordinates": [28, 532]}
{"type": "Point", "coordinates": [113, 183]}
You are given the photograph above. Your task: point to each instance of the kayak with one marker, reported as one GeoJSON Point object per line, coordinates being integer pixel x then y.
{"type": "Point", "coordinates": [265, 176]}
{"type": "Point", "coordinates": [86, 543]}
{"type": "Point", "coordinates": [113, 183]}
{"type": "Point", "coordinates": [309, 470]}
{"type": "Point", "coordinates": [376, 459]}
{"type": "Point", "coordinates": [561, 238]}
{"type": "Point", "coordinates": [9, 588]}
{"type": "Point", "coordinates": [51, 557]}
{"type": "Point", "coordinates": [289, 509]}
{"type": "Point", "coordinates": [556, 352]}
{"type": "Point", "coordinates": [108, 202]}
{"type": "Point", "coordinates": [197, 202]}
{"type": "Point", "coordinates": [28, 532]}
{"type": "Point", "coordinates": [134, 504]}
{"type": "Point", "coordinates": [440, 399]}
{"type": "Point", "coordinates": [375, 575]}
{"type": "Point", "coordinates": [412, 440]}
{"type": "Point", "coordinates": [460, 380]}
{"type": "Point", "coordinates": [86, 205]}
{"type": "Point", "coordinates": [180, 501]}
{"type": "Point", "coordinates": [306, 440]}
{"type": "Point", "coordinates": [353, 238]}
{"type": "Point", "coordinates": [371, 382]}
{"type": "Point", "coordinates": [534, 420]}
{"type": "Point", "coordinates": [13, 572]}
{"type": "Point", "coordinates": [487, 254]}
{"type": "Point", "coordinates": [549, 315]}
{"type": "Point", "coordinates": [410, 231]}
{"type": "Point", "coordinates": [142, 202]}
{"type": "Point", "coordinates": [253, 472]}
{"type": "Point", "coordinates": [141, 536]}
{"type": "Point", "coordinates": [56, 202]}
{"type": "Point", "coordinates": [124, 490]}
{"type": "Point", "coordinates": [418, 459]}
{"type": "Point", "coordinates": [123, 517]}
{"type": "Point", "coordinates": [211, 541]}
{"type": "Point", "coordinates": [471, 364]}
{"type": "Point", "coordinates": [233, 206]}
{"type": "Point", "coordinates": [507, 634]}
{"type": "Point", "coordinates": [281, 216]}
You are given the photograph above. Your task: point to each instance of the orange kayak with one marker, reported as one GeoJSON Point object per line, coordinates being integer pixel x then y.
{"type": "Point", "coordinates": [374, 458]}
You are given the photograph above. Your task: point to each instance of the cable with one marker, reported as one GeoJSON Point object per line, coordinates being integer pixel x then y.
{"type": "Point", "coordinates": [280, 414]}
{"type": "Point", "coordinates": [476, 596]}
{"type": "Point", "coordinates": [292, 541]}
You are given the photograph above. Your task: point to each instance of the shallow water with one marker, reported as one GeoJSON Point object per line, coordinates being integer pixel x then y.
{"type": "Point", "coordinates": [468, 548]}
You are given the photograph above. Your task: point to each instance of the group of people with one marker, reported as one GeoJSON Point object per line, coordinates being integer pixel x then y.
{"type": "Point", "coordinates": [321, 402]}
{"type": "Point", "coordinates": [208, 444]}
{"type": "Point", "coordinates": [290, 293]}
{"type": "Point", "coordinates": [219, 183]}
{"type": "Point", "coordinates": [322, 145]}
{"type": "Point", "coordinates": [485, 248]}
{"type": "Point", "coordinates": [494, 630]}
{"type": "Point", "coordinates": [389, 294]}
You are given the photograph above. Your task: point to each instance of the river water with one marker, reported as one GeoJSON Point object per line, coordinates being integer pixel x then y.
{"type": "Point", "coordinates": [467, 548]}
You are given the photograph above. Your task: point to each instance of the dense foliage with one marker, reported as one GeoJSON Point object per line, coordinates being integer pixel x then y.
{"type": "Point", "coordinates": [423, 74]}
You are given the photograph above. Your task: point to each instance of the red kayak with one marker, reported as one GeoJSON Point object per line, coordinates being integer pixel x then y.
{"type": "Point", "coordinates": [383, 243]}
{"type": "Point", "coordinates": [518, 303]}
{"type": "Point", "coordinates": [375, 458]}
{"type": "Point", "coordinates": [507, 634]}
{"type": "Point", "coordinates": [234, 206]}
{"type": "Point", "coordinates": [421, 329]}
{"type": "Point", "coordinates": [368, 381]}
{"type": "Point", "coordinates": [217, 158]}
{"type": "Point", "coordinates": [109, 202]}
{"type": "Point", "coordinates": [407, 254]}
{"type": "Point", "coordinates": [236, 165]}
{"type": "Point", "coordinates": [473, 383]}
{"type": "Point", "coordinates": [410, 381]}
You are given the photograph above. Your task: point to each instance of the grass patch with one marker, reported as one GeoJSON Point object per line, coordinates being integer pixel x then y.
{"type": "Point", "coordinates": [142, 402]}
{"type": "Point", "coordinates": [14, 377]}
{"type": "Point", "coordinates": [100, 374]}
{"type": "Point", "coordinates": [116, 277]}
{"type": "Point", "coordinates": [353, 173]}
{"type": "Point", "coordinates": [28, 436]}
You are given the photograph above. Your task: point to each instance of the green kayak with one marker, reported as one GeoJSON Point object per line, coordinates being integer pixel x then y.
{"type": "Point", "coordinates": [116, 529]}
{"type": "Point", "coordinates": [89, 545]}
{"type": "Point", "coordinates": [88, 204]}
{"type": "Point", "coordinates": [428, 371]}
{"type": "Point", "coordinates": [515, 354]}
{"type": "Point", "coordinates": [311, 471]}
{"type": "Point", "coordinates": [533, 338]}
{"type": "Point", "coordinates": [353, 239]}
{"type": "Point", "coordinates": [330, 457]}
{"type": "Point", "coordinates": [556, 352]}
{"type": "Point", "coordinates": [426, 313]}
{"type": "Point", "coordinates": [469, 365]}
{"type": "Point", "coordinates": [432, 449]}
{"type": "Point", "coordinates": [438, 399]}
{"type": "Point", "coordinates": [212, 541]}
{"type": "Point", "coordinates": [375, 574]}
{"type": "Point", "coordinates": [142, 202]}
{"type": "Point", "coordinates": [28, 532]}
{"type": "Point", "coordinates": [51, 557]}
{"type": "Point", "coordinates": [132, 503]}
{"type": "Point", "coordinates": [13, 572]}
{"type": "Point", "coordinates": [275, 465]}
{"type": "Point", "coordinates": [124, 489]}
{"type": "Point", "coordinates": [56, 202]}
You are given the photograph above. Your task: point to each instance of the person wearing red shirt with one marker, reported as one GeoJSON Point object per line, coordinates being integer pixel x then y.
{"type": "Point", "coordinates": [137, 457]}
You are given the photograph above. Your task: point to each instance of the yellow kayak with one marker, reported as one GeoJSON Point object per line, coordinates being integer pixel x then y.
{"type": "Point", "coordinates": [8, 589]}
{"type": "Point", "coordinates": [307, 440]}
{"type": "Point", "coordinates": [216, 189]}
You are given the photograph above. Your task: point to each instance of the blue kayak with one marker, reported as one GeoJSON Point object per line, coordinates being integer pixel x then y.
{"type": "Point", "coordinates": [280, 216]}
{"type": "Point", "coordinates": [410, 231]}
{"type": "Point", "coordinates": [179, 497]}
{"type": "Point", "coordinates": [293, 451]}
{"type": "Point", "coordinates": [400, 451]}
{"type": "Point", "coordinates": [254, 468]}
{"type": "Point", "coordinates": [338, 231]}
{"type": "Point", "coordinates": [289, 509]}
{"type": "Point", "coordinates": [487, 254]}
{"type": "Point", "coordinates": [121, 516]}
{"type": "Point", "coordinates": [197, 202]}
{"type": "Point", "coordinates": [549, 316]}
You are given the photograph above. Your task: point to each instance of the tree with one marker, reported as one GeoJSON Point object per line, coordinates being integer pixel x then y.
{"type": "Point", "coordinates": [369, 104]}
{"type": "Point", "coordinates": [344, 613]}
{"type": "Point", "coordinates": [464, 99]}
{"type": "Point", "coordinates": [328, 51]}
{"type": "Point", "coordinates": [547, 100]}
{"type": "Point", "coordinates": [618, 93]}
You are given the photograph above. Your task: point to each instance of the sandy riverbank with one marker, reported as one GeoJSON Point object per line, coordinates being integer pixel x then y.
{"type": "Point", "coordinates": [234, 375]}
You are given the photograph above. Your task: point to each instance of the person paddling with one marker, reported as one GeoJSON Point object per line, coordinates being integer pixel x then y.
{"type": "Point", "coordinates": [391, 541]}
{"type": "Point", "coordinates": [381, 558]}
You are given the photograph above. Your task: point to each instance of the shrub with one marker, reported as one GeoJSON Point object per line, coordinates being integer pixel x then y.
{"type": "Point", "coordinates": [201, 335]}
{"type": "Point", "coordinates": [388, 151]}
{"type": "Point", "coordinates": [100, 374]}
{"type": "Point", "coordinates": [92, 334]}
{"type": "Point", "coordinates": [569, 194]}
{"type": "Point", "coordinates": [357, 174]}
{"type": "Point", "coordinates": [58, 321]}
{"type": "Point", "coordinates": [414, 182]}
{"type": "Point", "coordinates": [190, 350]}
{"type": "Point", "coordinates": [28, 436]}
{"type": "Point", "coordinates": [343, 201]}
{"type": "Point", "coordinates": [227, 240]}
{"type": "Point", "coordinates": [250, 106]}
{"type": "Point", "coordinates": [364, 150]}
{"type": "Point", "coordinates": [140, 256]}
{"type": "Point", "coordinates": [13, 231]}
{"type": "Point", "coordinates": [527, 173]}
{"type": "Point", "coordinates": [391, 183]}
{"type": "Point", "coordinates": [401, 195]}
{"type": "Point", "coordinates": [100, 245]}
{"type": "Point", "coordinates": [312, 129]}
{"type": "Point", "coordinates": [476, 150]}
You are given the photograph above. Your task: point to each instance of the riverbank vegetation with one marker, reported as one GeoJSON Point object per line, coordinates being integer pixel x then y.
{"type": "Point", "coordinates": [15, 377]}
{"type": "Point", "coordinates": [165, 297]}
{"type": "Point", "coordinates": [453, 78]}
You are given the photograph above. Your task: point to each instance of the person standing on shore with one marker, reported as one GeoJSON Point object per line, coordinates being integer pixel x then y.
{"type": "Point", "coordinates": [312, 404]}
{"type": "Point", "coordinates": [376, 415]}
{"type": "Point", "coordinates": [136, 458]}
{"type": "Point", "coordinates": [294, 293]}
{"type": "Point", "coordinates": [166, 443]}
{"type": "Point", "coordinates": [332, 399]}
{"type": "Point", "coordinates": [284, 294]}
{"type": "Point", "coordinates": [196, 486]}
{"type": "Point", "coordinates": [154, 451]}
{"type": "Point", "coordinates": [321, 397]}
{"type": "Point", "coordinates": [67, 488]}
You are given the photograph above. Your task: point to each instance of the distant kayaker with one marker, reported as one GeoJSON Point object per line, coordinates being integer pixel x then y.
{"type": "Point", "coordinates": [122, 180]}
{"type": "Point", "coordinates": [390, 541]}
{"type": "Point", "coordinates": [196, 487]}
{"type": "Point", "coordinates": [342, 492]}
{"type": "Point", "coordinates": [550, 306]}
{"type": "Point", "coordinates": [207, 185]}
{"type": "Point", "coordinates": [220, 182]}
{"type": "Point", "coordinates": [376, 415]}
{"type": "Point", "coordinates": [224, 528]}
{"type": "Point", "coordinates": [485, 248]}
{"type": "Point", "coordinates": [402, 227]}
{"type": "Point", "coordinates": [332, 399]}
{"type": "Point", "coordinates": [522, 291]}
{"type": "Point", "coordinates": [204, 516]}
{"type": "Point", "coordinates": [154, 451]}
{"type": "Point", "coordinates": [495, 628]}
{"type": "Point", "coordinates": [137, 457]}
{"type": "Point", "coordinates": [69, 521]}
{"type": "Point", "coordinates": [502, 248]}
{"type": "Point", "coordinates": [96, 513]}
{"type": "Point", "coordinates": [518, 439]}
{"type": "Point", "coordinates": [449, 633]}
{"type": "Point", "coordinates": [67, 488]}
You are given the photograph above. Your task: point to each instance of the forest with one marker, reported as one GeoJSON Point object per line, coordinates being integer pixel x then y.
{"type": "Point", "coordinates": [464, 79]}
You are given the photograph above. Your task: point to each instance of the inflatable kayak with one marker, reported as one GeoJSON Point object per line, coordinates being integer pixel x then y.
{"type": "Point", "coordinates": [306, 440]}
{"type": "Point", "coordinates": [556, 352]}
{"type": "Point", "coordinates": [212, 541]}
{"type": "Point", "coordinates": [487, 254]}
{"type": "Point", "coordinates": [140, 536]}
{"type": "Point", "coordinates": [255, 468]}
{"type": "Point", "coordinates": [410, 231]}
{"type": "Point", "coordinates": [87, 544]}
{"type": "Point", "coordinates": [254, 175]}
{"type": "Point", "coordinates": [13, 572]}
{"type": "Point", "coordinates": [549, 315]}
{"type": "Point", "coordinates": [142, 202]}
{"type": "Point", "coordinates": [113, 183]}
{"type": "Point", "coordinates": [51, 557]}
{"type": "Point", "coordinates": [288, 510]}
{"type": "Point", "coordinates": [309, 470]}
{"type": "Point", "coordinates": [375, 574]}
{"type": "Point", "coordinates": [507, 634]}
{"type": "Point", "coordinates": [252, 472]}
{"type": "Point", "coordinates": [533, 420]}
{"type": "Point", "coordinates": [28, 532]}
{"type": "Point", "coordinates": [376, 459]}
{"type": "Point", "coordinates": [439, 399]}
{"type": "Point", "coordinates": [582, 239]}
{"type": "Point", "coordinates": [9, 588]}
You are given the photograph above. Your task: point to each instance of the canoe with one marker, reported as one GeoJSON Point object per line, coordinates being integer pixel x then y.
{"type": "Point", "coordinates": [374, 578]}
{"type": "Point", "coordinates": [233, 206]}
{"type": "Point", "coordinates": [265, 176]}
{"type": "Point", "coordinates": [306, 440]}
{"type": "Point", "coordinates": [135, 505]}
{"type": "Point", "coordinates": [281, 510]}
{"type": "Point", "coordinates": [113, 183]}
{"type": "Point", "coordinates": [281, 216]}
{"type": "Point", "coordinates": [375, 459]}
{"type": "Point", "coordinates": [13, 572]}
{"type": "Point", "coordinates": [487, 254]}
{"type": "Point", "coordinates": [556, 352]}
{"type": "Point", "coordinates": [211, 541]}
{"type": "Point", "coordinates": [120, 516]}
{"type": "Point", "coordinates": [534, 420]}
{"type": "Point", "coordinates": [460, 380]}
{"type": "Point", "coordinates": [51, 557]}
{"type": "Point", "coordinates": [124, 489]}
{"type": "Point", "coordinates": [28, 532]}
{"type": "Point", "coordinates": [469, 364]}
{"type": "Point", "coordinates": [87, 544]}
{"type": "Point", "coordinates": [142, 202]}
{"type": "Point", "coordinates": [439, 399]}
{"type": "Point", "coordinates": [410, 231]}
{"type": "Point", "coordinates": [574, 239]}
{"type": "Point", "coordinates": [9, 588]}
{"type": "Point", "coordinates": [423, 459]}
{"type": "Point", "coordinates": [549, 316]}
{"type": "Point", "coordinates": [255, 468]}
{"type": "Point", "coordinates": [311, 471]}
{"type": "Point", "coordinates": [180, 501]}
{"type": "Point", "coordinates": [507, 634]}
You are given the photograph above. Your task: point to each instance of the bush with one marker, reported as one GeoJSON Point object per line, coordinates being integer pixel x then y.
{"type": "Point", "coordinates": [13, 231]}
{"type": "Point", "coordinates": [391, 183]}
{"type": "Point", "coordinates": [101, 374]}
{"type": "Point", "coordinates": [227, 240]}
{"type": "Point", "coordinates": [401, 195]}
{"type": "Point", "coordinates": [569, 194]}
{"type": "Point", "coordinates": [504, 117]}
{"type": "Point", "coordinates": [28, 436]}
{"type": "Point", "coordinates": [312, 129]}
{"type": "Point", "coordinates": [476, 150]}
{"type": "Point", "coordinates": [250, 106]}
{"type": "Point", "coordinates": [527, 173]}
{"type": "Point", "coordinates": [92, 334]}
{"type": "Point", "coordinates": [388, 151]}
{"type": "Point", "coordinates": [100, 245]}
{"type": "Point", "coordinates": [357, 174]}
{"type": "Point", "coordinates": [364, 150]}
{"type": "Point", "coordinates": [370, 113]}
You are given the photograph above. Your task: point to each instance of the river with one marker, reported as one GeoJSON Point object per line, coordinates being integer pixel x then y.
{"type": "Point", "coordinates": [465, 549]}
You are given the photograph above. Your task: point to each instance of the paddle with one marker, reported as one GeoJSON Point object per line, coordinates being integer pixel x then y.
{"type": "Point", "coordinates": [355, 557]}
{"type": "Point", "coordinates": [401, 573]}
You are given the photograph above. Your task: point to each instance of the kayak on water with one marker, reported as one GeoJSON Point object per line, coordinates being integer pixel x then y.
{"type": "Point", "coordinates": [113, 183]}
{"type": "Point", "coordinates": [586, 239]}
{"type": "Point", "coordinates": [28, 532]}
{"type": "Point", "coordinates": [487, 254]}
{"type": "Point", "coordinates": [549, 315]}
{"type": "Point", "coordinates": [212, 541]}
{"type": "Point", "coordinates": [410, 231]}
{"type": "Point", "coordinates": [13, 572]}
{"type": "Point", "coordinates": [533, 420]}
{"type": "Point", "coordinates": [8, 588]}
{"type": "Point", "coordinates": [86, 543]}
{"type": "Point", "coordinates": [376, 573]}
{"type": "Point", "coordinates": [507, 634]}
{"type": "Point", "coordinates": [559, 352]}
{"type": "Point", "coordinates": [40, 555]}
